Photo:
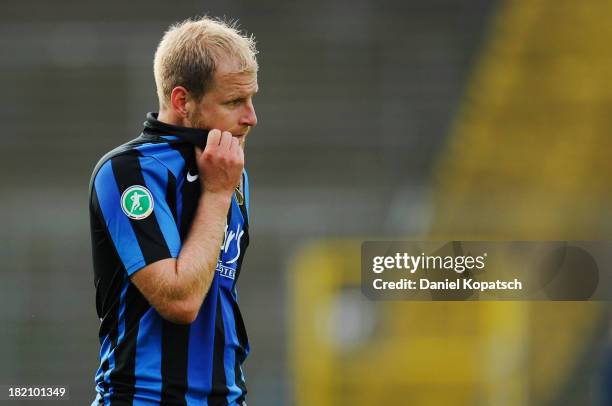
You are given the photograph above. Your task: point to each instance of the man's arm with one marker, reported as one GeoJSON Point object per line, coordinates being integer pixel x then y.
{"type": "Point", "coordinates": [176, 287]}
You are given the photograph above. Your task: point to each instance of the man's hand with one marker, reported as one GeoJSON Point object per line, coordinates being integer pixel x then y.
{"type": "Point", "coordinates": [220, 165]}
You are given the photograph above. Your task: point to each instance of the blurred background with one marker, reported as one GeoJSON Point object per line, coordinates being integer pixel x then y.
{"type": "Point", "coordinates": [383, 119]}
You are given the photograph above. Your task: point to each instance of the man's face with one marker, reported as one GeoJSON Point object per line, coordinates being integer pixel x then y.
{"type": "Point", "coordinates": [228, 104]}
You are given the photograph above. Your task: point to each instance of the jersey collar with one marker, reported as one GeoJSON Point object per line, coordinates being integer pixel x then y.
{"type": "Point", "coordinates": [194, 136]}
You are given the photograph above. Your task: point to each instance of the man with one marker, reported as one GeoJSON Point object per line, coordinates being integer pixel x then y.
{"type": "Point", "coordinates": [169, 224]}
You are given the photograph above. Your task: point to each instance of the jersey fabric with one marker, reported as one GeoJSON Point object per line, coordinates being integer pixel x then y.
{"type": "Point", "coordinates": [143, 197]}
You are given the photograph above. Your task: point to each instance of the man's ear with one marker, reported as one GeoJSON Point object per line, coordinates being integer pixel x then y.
{"type": "Point", "coordinates": [180, 98]}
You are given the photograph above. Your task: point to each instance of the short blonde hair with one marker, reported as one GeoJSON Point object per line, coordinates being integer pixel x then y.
{"type": "Point", "coordinates": [189, 51]}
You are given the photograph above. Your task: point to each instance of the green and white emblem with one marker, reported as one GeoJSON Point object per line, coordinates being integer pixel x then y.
{"type": "Point", "coordinates": [137, 202]}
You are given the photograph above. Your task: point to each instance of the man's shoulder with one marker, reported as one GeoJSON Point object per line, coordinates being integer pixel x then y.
{"type": "Point", "coordinates": [123, 149]}
{"type": "Point", "coordinates": [145, 153]}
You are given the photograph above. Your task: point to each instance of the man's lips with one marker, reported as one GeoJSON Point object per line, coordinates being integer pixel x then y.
{"type": "Point", "coordinates": [241, 135]}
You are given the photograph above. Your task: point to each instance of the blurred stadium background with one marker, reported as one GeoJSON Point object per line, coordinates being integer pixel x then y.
{"type": "Point", "coordinates": [388, 119]}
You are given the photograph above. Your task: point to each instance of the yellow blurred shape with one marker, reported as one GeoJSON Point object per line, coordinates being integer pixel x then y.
{"type": "Point", "coordinates": [417, 353]}
{"type": "Point", "coordinates": [528, 159]}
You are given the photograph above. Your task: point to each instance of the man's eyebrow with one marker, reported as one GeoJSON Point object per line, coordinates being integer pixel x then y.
{"type": "Point", "coordinates": [238, 95]}
{"type": "Point", "coordinates": [234, 96]}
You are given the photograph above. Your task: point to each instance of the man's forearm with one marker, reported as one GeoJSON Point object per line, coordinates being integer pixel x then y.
{"type": "Point", "coordinates": [197, 261]}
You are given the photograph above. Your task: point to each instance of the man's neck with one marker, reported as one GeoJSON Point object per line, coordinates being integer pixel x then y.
{"type": "Point", "coordinates": [168, 117]}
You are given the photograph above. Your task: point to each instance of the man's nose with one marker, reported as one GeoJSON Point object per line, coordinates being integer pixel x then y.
{"type": "Point", "coordinates": [249, 118]}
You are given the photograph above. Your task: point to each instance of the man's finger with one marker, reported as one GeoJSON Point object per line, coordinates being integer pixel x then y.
{"type": "Point", "coordinates": [214, 137]}
{"type": "Point", "coordinates": [226, 140]}
{"type": "Point", "coordinates": [198, 152]}
{"type": "Point", "coordinates": [235, 144]}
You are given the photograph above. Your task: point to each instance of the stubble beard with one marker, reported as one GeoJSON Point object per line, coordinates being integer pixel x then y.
{"type": "Point", "coordinates": [198, 122]}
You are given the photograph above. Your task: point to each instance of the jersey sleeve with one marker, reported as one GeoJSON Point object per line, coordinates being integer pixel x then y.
{"type": "Point", "coordinates": [133, 195]}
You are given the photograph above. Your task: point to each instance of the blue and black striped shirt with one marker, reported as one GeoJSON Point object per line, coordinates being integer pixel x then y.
{"type": "Point", "coordinates": [143, 197]}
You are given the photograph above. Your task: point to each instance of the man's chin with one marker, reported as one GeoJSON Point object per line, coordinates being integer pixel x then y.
{"type": "Point", "coordinates": [242, 139]}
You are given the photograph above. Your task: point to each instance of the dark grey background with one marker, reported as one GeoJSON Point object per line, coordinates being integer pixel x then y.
{"type": "Point", "coordinates": [355, 100]}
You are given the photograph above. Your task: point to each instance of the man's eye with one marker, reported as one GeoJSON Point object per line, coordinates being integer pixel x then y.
{"type": "Point", "coordinates": [235, 102]}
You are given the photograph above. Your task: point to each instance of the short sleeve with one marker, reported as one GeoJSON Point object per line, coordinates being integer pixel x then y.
{"type": "Point", "coordinates": [130, 194]}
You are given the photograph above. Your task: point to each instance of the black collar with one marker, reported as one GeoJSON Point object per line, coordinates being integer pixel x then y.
{"type": "Point", "coordinates": [194, 136]}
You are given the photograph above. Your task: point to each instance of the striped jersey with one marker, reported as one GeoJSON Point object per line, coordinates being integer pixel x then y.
{"type": "Point", "coordinates": [143, 197]}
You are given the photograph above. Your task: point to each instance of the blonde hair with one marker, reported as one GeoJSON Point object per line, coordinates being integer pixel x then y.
{"type": "Point", "coordinates": [189, 51]}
